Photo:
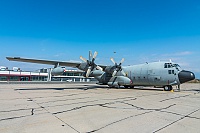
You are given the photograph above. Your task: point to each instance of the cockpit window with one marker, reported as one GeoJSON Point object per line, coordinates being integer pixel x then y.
{"type": "Point", "coordinates": [168, 65]}
{"type": "Point", "coordinates": [176, 66]}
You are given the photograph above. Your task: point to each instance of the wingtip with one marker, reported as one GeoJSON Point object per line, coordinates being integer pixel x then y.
{"type": "Point", "coordinates": [10, 58]}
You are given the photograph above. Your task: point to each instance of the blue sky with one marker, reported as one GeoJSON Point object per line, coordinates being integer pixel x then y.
{"type": "Point", "coordinates": [139, 31]}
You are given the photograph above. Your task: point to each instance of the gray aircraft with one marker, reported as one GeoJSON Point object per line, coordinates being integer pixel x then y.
{"type": "Point", "coordinates": [157, 74]}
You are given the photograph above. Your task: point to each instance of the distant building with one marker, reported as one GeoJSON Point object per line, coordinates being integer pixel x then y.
{"type": "Point", "coordinates": [3, 68]}
{"type": "Point", "coordinates": [16, 69]}
{"type": "Point", "coordinates": [10, 75]}
{"type": "Point", "coordinates": [41, 75]}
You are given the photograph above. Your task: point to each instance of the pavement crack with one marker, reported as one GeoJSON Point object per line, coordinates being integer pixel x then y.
{"type": "Point", "coordinates": [90, 105]}
{"type": "Point", "coordinates": [180, 115]}
{"type": "Point", "coordinates": [45, 110]}
{"type": "Point", "coordinates": [8, 111]}
{"type": "Point", "coordinates": [17, 117]}
{"type": "Point", "coordinates": [76, 108]}
{"type": "Point", "coordinates": [193, 117]}
{"type": "Point", "coordinates": [188, 115]}
{"type": "Point", "coordinates": [66, 124]}
{"type": "Point", "coordinates": [173, 98]}
{"type": "Point", "coordinates": [141, 108]}
{"type": "Point", "coordinates": [32, 113]}
{"type": "Point", "coordinates": [118, 121]}
{"type": "Point", "coordinates": [171, 113]}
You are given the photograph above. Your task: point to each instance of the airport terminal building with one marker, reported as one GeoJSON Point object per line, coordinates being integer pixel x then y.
{"type": "Point", "coordinates": [41, 75]}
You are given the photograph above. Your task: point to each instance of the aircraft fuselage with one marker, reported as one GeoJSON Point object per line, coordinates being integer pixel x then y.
{"type": "Point", "coordinates": [150, 74]}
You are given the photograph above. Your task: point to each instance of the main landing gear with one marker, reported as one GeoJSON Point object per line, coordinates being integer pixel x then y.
{"type": "Point", "coordinates": [168, 88]}
{"type": "Point", "coordinates": [127, 86]}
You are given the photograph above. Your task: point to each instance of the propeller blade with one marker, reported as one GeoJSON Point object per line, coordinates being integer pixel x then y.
{"type": "Point", "coordinates": [88, 72]}
{"type": "Point", "coordinates": [114, 73]}
{"type": "Point", "coordinates": [95, 55]}
{"type": "Point", "coordinates": [90, 55]}
{"type": "Point", "coordinates": [99, 68]}
{"type": "Point", "coordinates": [90, 63]}
{"type": "Point", "coordinates": [112, 60]}
{"type": "Point", "coordinates": [121, 61]}
{"type": "Point", "coordinates": [83, 59]}
{"type": "Point", "coordinates": [123, 73]}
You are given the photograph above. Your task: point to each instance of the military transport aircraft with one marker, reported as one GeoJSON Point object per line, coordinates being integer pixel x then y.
{"type": "Point", "coordinates": [165, 74]}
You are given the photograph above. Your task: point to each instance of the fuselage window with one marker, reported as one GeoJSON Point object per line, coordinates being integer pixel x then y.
{"type": "Point", "coordinates": [172, 71]}
{"type": "Point", "coordinates": [169, 71]}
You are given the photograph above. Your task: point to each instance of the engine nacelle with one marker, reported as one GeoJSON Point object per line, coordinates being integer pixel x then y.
{"type": "Point", "coordinates": [113, 84]}
{"type": "Point", "coordinates": [96, 73]}
{"type": "Point", "coordinates": [83, 66]}
{"type": "Point", "coordinates": [109, 69]}
{"type": "Point", "coordinates": [57, 71]}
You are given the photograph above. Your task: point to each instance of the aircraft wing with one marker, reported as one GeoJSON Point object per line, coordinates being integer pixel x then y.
{"type": "Point", "coordinates": [48, 62]}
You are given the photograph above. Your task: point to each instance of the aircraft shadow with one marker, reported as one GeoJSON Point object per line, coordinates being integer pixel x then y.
{"type": "Point", "coordinates": [94, 88]}
{"type": "Point", "coordinates": [85, 87]}
{"type": "Point", "coordinates": [145, 89]}
{"type": "Point", "coordinates": [89, 87]}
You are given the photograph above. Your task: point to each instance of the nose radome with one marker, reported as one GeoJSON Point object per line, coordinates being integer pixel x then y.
{"type": "Point", "coordinates": [185, 76]}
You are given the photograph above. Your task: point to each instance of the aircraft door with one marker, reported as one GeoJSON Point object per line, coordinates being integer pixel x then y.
{"type": "Point", "coordinates": [171, 76]}
{"type": "Point", "coordinates": [154, 76]}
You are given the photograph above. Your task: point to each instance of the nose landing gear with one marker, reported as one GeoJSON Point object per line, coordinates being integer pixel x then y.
{"type": "Point", "coordinates": [168, 88]}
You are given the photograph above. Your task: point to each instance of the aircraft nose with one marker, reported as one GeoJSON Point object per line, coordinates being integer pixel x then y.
{"type": "Point", "coordinates": [185, 76]}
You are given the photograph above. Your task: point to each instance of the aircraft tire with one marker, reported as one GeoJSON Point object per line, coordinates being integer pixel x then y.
{"type": "Point", "coordinates": [168, 88]}
{"type": "Point", "coordinates": [132, 87]}
{"type": "Point", "coordinates": [118, 86]}
{"type": "Point", "coordinates": [126, 86]}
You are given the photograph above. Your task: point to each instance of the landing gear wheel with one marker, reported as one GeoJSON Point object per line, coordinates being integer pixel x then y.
{"type": "Point", "coordinates": [168, 88]}
{"type": "Point", "coordinates": [132, 87]}
{"type": "Point", "coordinates": [118, 86]}
{"type": "Point", "coordinates": [126, 86]}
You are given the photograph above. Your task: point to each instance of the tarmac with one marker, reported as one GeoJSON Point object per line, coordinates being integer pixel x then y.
{"type": "Point", "coordinates": [80, 108]}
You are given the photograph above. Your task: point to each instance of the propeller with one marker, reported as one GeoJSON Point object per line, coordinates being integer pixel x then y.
{"type": "Point", "coordinates": [90, 63]}
{"type": "Point", "coordinates": [117, 67]}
